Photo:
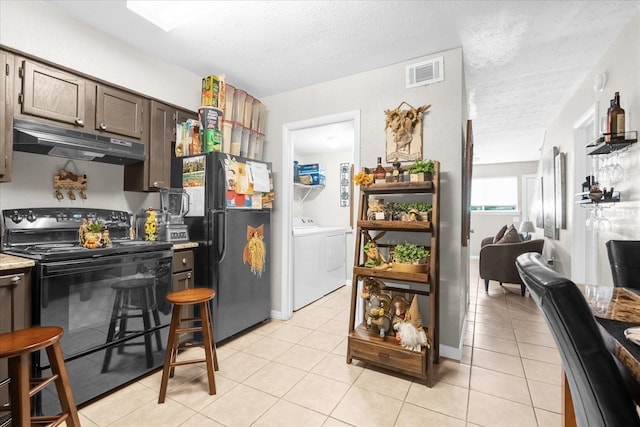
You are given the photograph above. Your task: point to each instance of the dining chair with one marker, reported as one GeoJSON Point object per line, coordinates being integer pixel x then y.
{"type": "Point", "coordinates": [600, 397]}
{"type": "Point", "coordinates": [624, 260]}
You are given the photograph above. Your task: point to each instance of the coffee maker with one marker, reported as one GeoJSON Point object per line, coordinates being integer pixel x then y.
{"type": "Point", "coordinates": [174, 204]}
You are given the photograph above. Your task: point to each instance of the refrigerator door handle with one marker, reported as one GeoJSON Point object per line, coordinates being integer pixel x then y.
{"type": "Point", "coordinates": [223, 250]}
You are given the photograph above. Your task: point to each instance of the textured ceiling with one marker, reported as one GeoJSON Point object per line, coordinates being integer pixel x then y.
{"type": "Point", "coordinates": [523, 59]}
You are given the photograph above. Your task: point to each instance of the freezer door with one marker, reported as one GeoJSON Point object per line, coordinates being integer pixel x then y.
{"type": "Point", "coordinates": [243, 297]}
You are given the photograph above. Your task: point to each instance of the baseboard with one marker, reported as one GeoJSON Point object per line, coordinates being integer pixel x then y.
{"type": "Point", "coordinates": [277, 315]}
{"type": "Point", "coordinates": [474, 256]}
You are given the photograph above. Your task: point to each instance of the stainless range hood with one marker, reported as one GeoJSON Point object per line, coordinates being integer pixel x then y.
{"type": "Point", "coordinates": [51, 140]}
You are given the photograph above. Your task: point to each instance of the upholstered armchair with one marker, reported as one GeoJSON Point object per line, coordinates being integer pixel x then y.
{"type": "Point", "coordinates": [498, 261]}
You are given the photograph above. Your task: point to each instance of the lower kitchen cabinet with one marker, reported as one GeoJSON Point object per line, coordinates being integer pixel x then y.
{"type": "Point", "coordinates": [182, 270]}
{"type": "Point", "coordinates": [15, 313]}
{"type": "Point", "coordinates": [183, 279]}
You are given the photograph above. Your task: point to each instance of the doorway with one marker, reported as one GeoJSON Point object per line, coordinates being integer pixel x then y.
{"type": "Point", "coordinates": [292, 133]}
{"type": "Point", "coordinates": [583, 244]}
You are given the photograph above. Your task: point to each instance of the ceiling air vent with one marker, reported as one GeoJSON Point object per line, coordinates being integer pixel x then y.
{"type": "Point", "coordinates": [425, 73]}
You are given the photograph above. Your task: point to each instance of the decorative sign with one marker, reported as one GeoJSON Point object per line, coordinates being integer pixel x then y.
{"type": "Point", "coordinates": [345, 184]}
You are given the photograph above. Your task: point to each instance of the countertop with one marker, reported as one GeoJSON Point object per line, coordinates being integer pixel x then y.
{"type": "Point", "coordinates": [10, 262]}
{"type": "Point", "coordinates": [184, 245]}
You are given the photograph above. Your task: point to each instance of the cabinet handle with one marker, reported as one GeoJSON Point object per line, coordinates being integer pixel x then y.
{"type": "Point", "coordinates": [189, 275]}
{"type": "Point", "coordinates": [15, 280]}
{"type": "Point", "coordinates": [103, 126]}
{"type": "Point", "coordinates": [184, 261]}
{"type": "Point", "coordinates": [79, 121]}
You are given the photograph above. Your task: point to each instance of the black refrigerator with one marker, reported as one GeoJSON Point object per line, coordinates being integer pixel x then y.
{"type": "Point", "coordinates": [230, 217]}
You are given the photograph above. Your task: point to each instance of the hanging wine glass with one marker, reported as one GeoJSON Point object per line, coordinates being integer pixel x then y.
{"type": "Point", "coordinates": [592, 220]}
{"type": "Point", "coordinates": [602, 224]}
{"type": "Point", "coordinates": [617, 171]}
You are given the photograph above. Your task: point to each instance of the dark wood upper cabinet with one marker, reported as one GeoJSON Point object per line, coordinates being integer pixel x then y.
{"type": "Point", "coordinates": [119, 112]}
{"type": "Point", "coordinates": [6, 118]}
{"type": "Point", "coordinates": [161, 131]}
{"type": "Point", "coordinates": [52, 94]}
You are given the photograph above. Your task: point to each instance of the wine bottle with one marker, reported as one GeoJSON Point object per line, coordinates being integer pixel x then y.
{"type": "Point", "coordinates": [607, 136]}
{"type": "Point", "coordinates": [617, 119]}
{"type": "Point", "coordinates": [380, 173]}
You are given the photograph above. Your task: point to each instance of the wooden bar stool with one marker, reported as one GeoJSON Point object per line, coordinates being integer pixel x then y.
{"type": "Point", "coordinates": [17, 346]}
{"type": "Point", "coordinates": [200, 296]}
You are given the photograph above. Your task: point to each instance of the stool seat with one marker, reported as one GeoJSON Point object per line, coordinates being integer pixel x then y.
{"type": "Point", "coordinates": [17, 346]}
{"type": "Point", "coordinates": [191, 296]}
{"type": "Point", "coordinates": [28, 340]}
{"type": "Point", "coordinates": [179, 299]}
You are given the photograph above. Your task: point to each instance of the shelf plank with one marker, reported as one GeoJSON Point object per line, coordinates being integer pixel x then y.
{"type": "Point", "coordinates": [402, 187]}
{"type": "Point", "coordinates": [390, 274]}
{"type": "Point", "coordinates": [418, 226]}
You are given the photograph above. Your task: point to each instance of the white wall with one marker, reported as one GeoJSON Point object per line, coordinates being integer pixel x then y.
{"type": "Point", "coordinates": [486, 224]}
{"type": "Point", "coordinates": [621, 63]}
{"type": "Point", "coordinates": [372, 92]}
{"type": "Point", "coordinates": [323, 205]}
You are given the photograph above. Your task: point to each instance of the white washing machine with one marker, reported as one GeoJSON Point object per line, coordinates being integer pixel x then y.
{"type": "Point", "coordinates": [319, 260]}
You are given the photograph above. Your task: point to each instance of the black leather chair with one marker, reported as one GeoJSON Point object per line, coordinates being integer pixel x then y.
{"type": "Point", "coordinates": [624, 259]}
{"type": "Point", "coordinates": [600, 397]}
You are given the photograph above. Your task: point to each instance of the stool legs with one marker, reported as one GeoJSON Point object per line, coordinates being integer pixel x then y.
{"type": "Point", "coordinates": [208, 345]}
{"type": "Point", "coordinates": [19, 390]}
{"type": "Point", "coordinates": [172, 350]}
{"type": "Point", "coordinates": [211, 356]}
{"type": "Point", "coordinates": [62, 384]}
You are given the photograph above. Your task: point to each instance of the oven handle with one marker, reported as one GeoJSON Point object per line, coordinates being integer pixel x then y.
{"type": "Point", "coordinates": [91, 264]}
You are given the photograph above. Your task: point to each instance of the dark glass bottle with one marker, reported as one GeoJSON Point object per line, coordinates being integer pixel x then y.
{"type": "Point", "coordinates": [607, 136]}
{"type": "Point", "coordinates": [617, 119]}
{"type": "Point", "coordinates": [397, 172]}
{"type": "Point", "coordinates": [380, 173]}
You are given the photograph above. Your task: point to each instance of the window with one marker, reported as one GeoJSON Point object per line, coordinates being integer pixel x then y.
{"type": "Point", "coordinates": [494, 194]}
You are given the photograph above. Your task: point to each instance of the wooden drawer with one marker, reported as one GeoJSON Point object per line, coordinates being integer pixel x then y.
{"type": "Point", "coordinates": [368, 347]}
{"type": "Point", "coordinates": [182, 261]}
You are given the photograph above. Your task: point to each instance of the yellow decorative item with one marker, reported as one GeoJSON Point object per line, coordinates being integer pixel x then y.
{"type": "Point", "coordinates": [151, 226]}
{"type": "Point", "coordinates": [363, 178]}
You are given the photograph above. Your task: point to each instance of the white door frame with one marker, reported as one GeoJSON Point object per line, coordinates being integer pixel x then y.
{"type": "Point", "coordinates": [585, 130]}
{"type": "Point", "coordinates": [286, 292]}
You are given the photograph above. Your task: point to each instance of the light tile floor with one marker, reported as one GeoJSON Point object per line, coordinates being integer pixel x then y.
{"type": "Point", "coordinates": [294, 373]}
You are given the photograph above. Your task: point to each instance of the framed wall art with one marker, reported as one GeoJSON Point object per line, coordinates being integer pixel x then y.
{"type": "Point", "coordinates": [403, 130]}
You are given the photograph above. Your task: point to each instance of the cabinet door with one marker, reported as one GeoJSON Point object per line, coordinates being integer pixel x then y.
{"type": "Point", "coordinates": [182, 280]}
{"type": "Point", "coordinates": [119, 112]}
{"type": "Point", "coordinates": [52, 94]}
{"type": "Point", "coordinates": [6, 133]}
{"type": "Point", "coordinates": [161, 132]}
{"type": "Point", "coordinates": [13, 315]}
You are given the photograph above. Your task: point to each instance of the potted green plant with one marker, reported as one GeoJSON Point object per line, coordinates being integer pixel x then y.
{"type": "Point", "coordinates": [421, 170]}
{"type": "Point", "coordinates": [410, 258]}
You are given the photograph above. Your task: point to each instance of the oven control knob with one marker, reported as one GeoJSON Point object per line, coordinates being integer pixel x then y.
{"type": "Point", "coordinates": [31, 216]}
{"type": "Point", "coordinates": [16, 217]}
{"type": "Point", "coordinates": [114, 216]}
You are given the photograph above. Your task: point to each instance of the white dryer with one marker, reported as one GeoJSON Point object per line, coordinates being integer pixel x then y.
{"type": "Point", "coordinates": [319, 260]}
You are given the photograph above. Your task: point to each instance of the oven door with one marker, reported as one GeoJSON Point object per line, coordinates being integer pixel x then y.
{"type": "Point", "coordinates": [114, 313]}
